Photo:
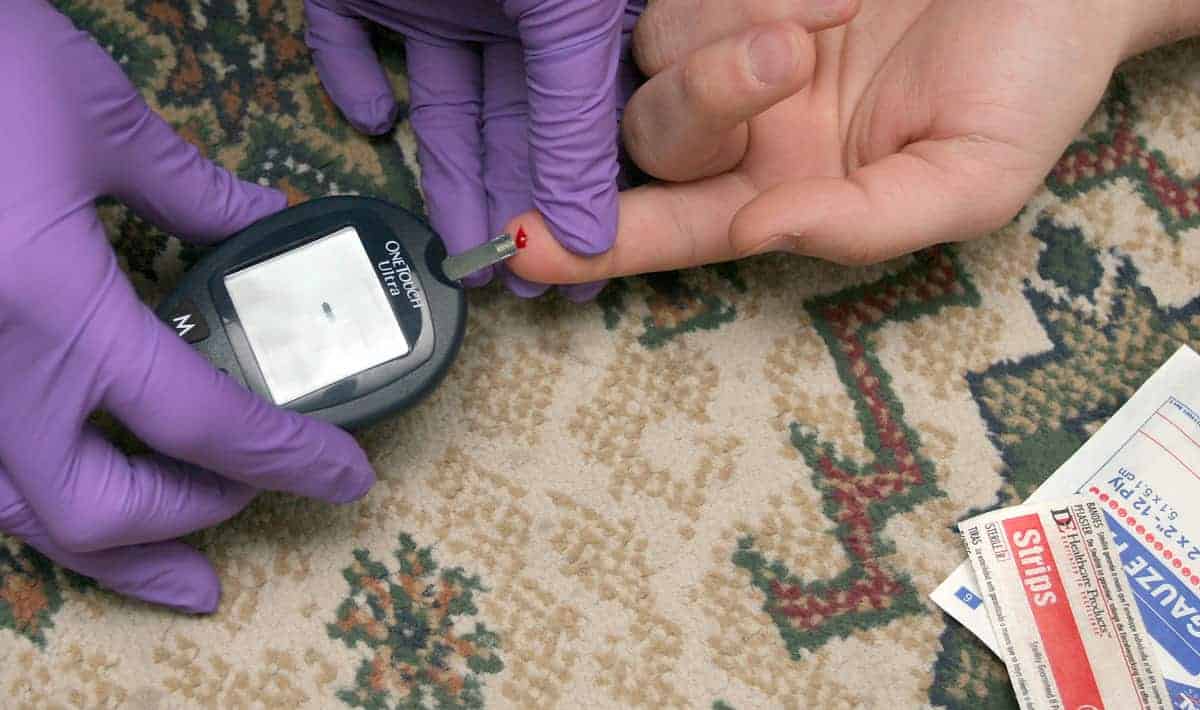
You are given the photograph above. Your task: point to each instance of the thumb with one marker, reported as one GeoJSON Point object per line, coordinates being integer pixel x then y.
{"type": "Point", "coordinates": [167, 573]}
{"type": "Point", "coordinates": [131, 153]}
{"type": "Point", "coordinates": [166, 180]}
{"type": "Point", "coordinates": [349, 69]}
{"type": "Point", "coordinates": [930, 193]}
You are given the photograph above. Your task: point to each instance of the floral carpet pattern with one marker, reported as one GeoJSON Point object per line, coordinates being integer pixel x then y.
{"type": "Point", "coordinates": [731, 487]}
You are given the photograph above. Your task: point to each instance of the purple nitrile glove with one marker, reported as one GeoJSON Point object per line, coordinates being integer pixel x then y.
{"type": "Point", "coordinates": [515, 106]}
{"type": "Point", "coordinates": [74, 337]}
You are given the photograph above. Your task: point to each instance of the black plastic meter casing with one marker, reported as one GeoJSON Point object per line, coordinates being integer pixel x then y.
{"type": "Point", "coordinates": [202, 312]}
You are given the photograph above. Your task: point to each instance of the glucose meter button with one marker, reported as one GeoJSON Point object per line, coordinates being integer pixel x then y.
{"type": "Point", "coordinates": [188, 323]}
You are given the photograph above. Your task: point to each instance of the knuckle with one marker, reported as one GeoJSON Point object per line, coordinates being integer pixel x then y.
{"type": "Point", "coordinates": [82, 527]}
{"type": "Point", "coordinates": [646, 53]}
{"type": "Point", "coordinates": [15, 516]}
{"type": "Point", "coordinates": [654, 36]}
{"type": "Point", "coordinates": [637, 134]}
{"type": "Point", "coordinates": [793, 68]}
{"type": "Point", "coordinates": [697, 86]}
{"type": "Point", "coordinates": [563, 19]}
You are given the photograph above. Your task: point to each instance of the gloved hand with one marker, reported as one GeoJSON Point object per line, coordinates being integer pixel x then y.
{"type": "Point", "coordinates": [74, 337]}
{"type": "Point", "coordinates": [514, 103]}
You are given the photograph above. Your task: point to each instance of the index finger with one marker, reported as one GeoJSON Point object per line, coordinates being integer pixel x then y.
{"type": "Point", "coordinates": [670, 30]}
{"type": "Point", "coordinates": [661, 228]}
{"type": "Point", "coordinates": [572, 54]}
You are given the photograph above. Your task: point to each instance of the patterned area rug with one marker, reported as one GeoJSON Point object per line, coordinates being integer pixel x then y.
{"type": "Point", "coordinates": [732, 487]}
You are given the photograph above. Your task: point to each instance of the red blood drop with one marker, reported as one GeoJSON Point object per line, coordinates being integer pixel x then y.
{"type": "Point", "coordinates": [522, 238]}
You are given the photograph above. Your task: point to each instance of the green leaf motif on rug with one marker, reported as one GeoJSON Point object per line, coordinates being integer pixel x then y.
{"type": "Point", "coordinates": [29, 593]}
{"type": "Point", "coordinates": [967, 676]}
{"type": "Point", "coordinates": [234, 59]}
{"type": "Point", "coordinates": [1068, 259]}
{"type": "Point", "coordinates": [133, 54]}
{"type": "Point", "coordinates": [860, 496]}
{"type": "Point", "coordinates": [1040, 409]}
{"type": "Point", "coordinates": [1035, 457]}
{"type": "Point", "coordinates": [1119, 151]}
{"type": "Point", "coordinates": [305, 172]}
{"type": "Point", "coordinates": [411, 622]}
{"type": "Point", "coordinates": [675, 306]}
{"type": "Point", "coordinates": [808, 614]}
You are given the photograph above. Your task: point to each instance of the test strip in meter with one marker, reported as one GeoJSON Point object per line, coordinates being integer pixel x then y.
{"type": "Point", "coordinates": [500, 249]}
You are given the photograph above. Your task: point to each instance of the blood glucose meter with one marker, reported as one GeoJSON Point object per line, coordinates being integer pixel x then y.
{"type": "Point", "coordinates": [340, 308]}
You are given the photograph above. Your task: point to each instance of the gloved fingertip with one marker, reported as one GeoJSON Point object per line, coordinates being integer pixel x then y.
{"type": "Point", "coordinates": [355, 488]}
{"type": "Point", "coordinates": [264, 201]}
{"type": "Point", "coordinates": [375, 116]}
{"type": "Point", "coordinates": [203, 203]}
{"type": "Point", "coordinates": [205, 602]}
{"type": "Point", "coordinates": [585, 231]}
{"type": "Point", "coordinates": [355, 481]}
{"type": "Point", "coordinates": [275, 200]}
{"type": "Point", "coordinates": [587, 243]}
{"type": "Point", "coordinates": [522, 288]}
{"type": "Point", "coordinates": [185, 581]}
{"type": "Point", "coordinates": [582, 293]}
{"type": "Point", "coordinates": [480, 278]}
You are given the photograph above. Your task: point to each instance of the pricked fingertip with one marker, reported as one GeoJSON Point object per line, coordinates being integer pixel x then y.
{"type": "Point", "coordinates": [539, 255]}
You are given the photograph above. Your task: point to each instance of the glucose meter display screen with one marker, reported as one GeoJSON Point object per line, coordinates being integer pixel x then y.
{"type": "Point", "coordinates": [315, 315]}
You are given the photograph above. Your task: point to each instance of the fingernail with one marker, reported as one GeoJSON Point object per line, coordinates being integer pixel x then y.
{"type": "Point", "coordinates": [772, 57]}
